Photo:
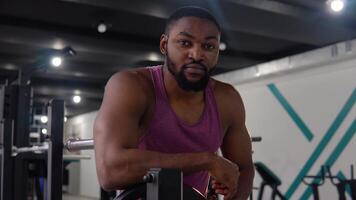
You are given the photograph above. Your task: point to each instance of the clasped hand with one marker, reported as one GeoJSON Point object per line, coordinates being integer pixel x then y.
{"type": "Point", "coordinates": [225, 176]}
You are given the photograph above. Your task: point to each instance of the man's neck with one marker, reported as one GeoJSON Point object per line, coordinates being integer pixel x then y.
{"type": "Point", "coordinates": [175, 92]}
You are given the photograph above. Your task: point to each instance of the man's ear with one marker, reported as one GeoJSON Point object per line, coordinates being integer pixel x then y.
{"type": "Point", "coordinates": [163, 44]}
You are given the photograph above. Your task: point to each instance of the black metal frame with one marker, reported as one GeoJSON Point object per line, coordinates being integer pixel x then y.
{"type": "Point", "coordinates": [341, 184]}
{"type": "Point", "coordinates": [55, 150]}
{"type": "Point", "coordinates": [315, 184]}
{"type": "Point", "coordinates": [164, 184]}
{"type": "Point", "coordinates": [161, 184]}
{"type": "Point", "coordinates": [15, 130]}
{"type": "Point", "coordinates": [15, 125]}
{"type": "Point", "coordinates": [7, 163]}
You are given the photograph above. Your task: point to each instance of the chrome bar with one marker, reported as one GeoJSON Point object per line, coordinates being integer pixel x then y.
{"type": "Point", "coordinates": [71, 157]}
{"type": "Point", "coordinates": [35, 149]}
{"type": "Point", "coordinates": [77, 144]}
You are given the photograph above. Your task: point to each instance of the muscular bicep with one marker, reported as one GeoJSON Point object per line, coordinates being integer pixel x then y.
{"type": "Point", "coordinates": [237, 143]}
{"type": "Point", "coordinates": [117, 122]}
{"type": "Point", "coordinates": [237, 147]}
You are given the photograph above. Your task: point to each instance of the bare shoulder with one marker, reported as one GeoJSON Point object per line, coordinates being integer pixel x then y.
{"type": "Point", "coordinates": [229, 101]}
{"type": "Point", "coordinates": [226, 92]}
{"type": "Point", "coordinates": [128, 87]}
{"type": "Point", "coordinates": [138, 79]}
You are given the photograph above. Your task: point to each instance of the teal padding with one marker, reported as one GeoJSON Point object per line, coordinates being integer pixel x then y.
{"type": "Point", "coordinates": [322, 144]}
{"type": "Point", "coordinates": [335, 153]}
{"type": "Point", "coordinates": [291, 112]}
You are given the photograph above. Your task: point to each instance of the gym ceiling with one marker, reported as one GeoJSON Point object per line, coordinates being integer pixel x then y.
{"type": "Point", "coordinates": [254, 31]}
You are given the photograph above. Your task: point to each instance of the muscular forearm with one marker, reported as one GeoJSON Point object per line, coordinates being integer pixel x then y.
{"type": "Point", "coordinates": [245, 184]}
{"type": "Point", "coordinates": [130, 165]}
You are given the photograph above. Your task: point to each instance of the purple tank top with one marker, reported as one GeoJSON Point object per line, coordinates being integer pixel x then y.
{"type": "Point", "coordinates": [168, 134]}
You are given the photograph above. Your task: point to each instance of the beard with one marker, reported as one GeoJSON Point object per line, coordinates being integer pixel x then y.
{"type": "Point", "coordinates": [182, 80]}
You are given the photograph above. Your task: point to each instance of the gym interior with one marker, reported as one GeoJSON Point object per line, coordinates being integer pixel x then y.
{"type": "Point", "coordinates": [292, 61]}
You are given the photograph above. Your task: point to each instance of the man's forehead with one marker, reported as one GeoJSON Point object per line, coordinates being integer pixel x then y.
{"type": "Point", "coordinates": [193, 24]}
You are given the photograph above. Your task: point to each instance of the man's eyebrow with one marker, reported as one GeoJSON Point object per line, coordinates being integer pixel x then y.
{"type": "Point", "coordinates": [211, 38]}
{"type": "Point", "coordinates": [191, 36]}
{"type": "Point", "coordinates": [186, 34]}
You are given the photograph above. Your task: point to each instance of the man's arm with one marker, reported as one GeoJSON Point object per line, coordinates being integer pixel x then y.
{"type": "Point", "coordinates": [119, 162]}
{"type": "Point", "coordinates": [236, 147]}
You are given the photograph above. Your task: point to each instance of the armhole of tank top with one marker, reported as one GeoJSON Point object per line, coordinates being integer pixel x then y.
{"type": "Point", "coordinates": [153, 79]}
{"type": "Point", "coordinates": [216, 109]}
{"type": "Point", "coordinates": [155, 83]}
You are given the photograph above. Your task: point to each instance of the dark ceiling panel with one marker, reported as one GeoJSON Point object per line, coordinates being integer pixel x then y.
{"type": "Point", "coordinates": [232, 16]}
{"type": "Point", "coordinates": [255, 31]}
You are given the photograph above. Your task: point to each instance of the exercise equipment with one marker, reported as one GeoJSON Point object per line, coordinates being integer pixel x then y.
{"type": "Point", "coordinates": [14, 131]}
{"type": "Point", "coordinates": [316, 182]}
{"type": "Point", "coordinates": [161, 184]}
{"type": "Point", "coordinates": [72, 145]}
{"type": "Point", "coordinates": [341, 184]}
{"type": "Point", "coordinates": [268, 179]}
{"type": "Point", "coordinates": [158, 183]}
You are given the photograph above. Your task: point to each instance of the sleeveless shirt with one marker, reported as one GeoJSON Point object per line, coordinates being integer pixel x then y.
{"type": "Point", "coordinates": [169, 134]}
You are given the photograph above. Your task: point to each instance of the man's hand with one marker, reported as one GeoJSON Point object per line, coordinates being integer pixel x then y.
{"type": "Point", "coordinates": [219, 188]}
{"type": "Point", "coordinates": [226, 175]}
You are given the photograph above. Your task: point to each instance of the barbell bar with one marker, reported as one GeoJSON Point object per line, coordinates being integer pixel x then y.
{"type": "Point", "coordinates": [76, 145]}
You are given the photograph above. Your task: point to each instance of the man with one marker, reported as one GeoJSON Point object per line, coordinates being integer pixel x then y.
{"type": "Point", "coordinates": [176, 116]}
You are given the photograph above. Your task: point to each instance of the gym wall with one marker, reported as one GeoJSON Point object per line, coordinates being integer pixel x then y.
{"type": "Point", "coordinates": [82, 127]}
{"type": "Point", "coordinates": [304, 110]}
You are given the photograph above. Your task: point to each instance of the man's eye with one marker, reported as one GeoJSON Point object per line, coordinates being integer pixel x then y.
{"type": "Point", "coordinates": [209, 46]}
{"type": "Point", "coordinates": [185, 43]}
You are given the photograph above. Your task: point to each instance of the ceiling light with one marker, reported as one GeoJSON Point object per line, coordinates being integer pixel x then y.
{"type": "Point", "coordinates": [337, 5]}
{"type": "Point", "coordinates": [44, 131]}
{"type": "Point", "coordinates": [65, 119]}
{"type": "Point", "coordinates": [102, 27]}
{"type": "Point", "coordinates": [44, 119]}
{"type": "Point", "coordinates": [58, 44]}
{"type": "Point", "coordinates": [10, 67]}
{"type": "Point", "coordinates": [77, 99]}
{"type": "Point", "coordinates": [56, 61]}
{"type": "Point", "coordinates": [153, 57]}
{"type": "Point", "coordinates": [222, 46]}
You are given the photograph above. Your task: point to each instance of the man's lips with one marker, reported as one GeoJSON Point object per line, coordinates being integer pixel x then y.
{"type": "Point", "coordinates": [194, 69]}
{"type": "Point", "coordinates": [195, 66]}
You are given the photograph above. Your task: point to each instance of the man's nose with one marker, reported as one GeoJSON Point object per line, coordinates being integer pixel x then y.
{"type": "Point", "coordinates": [196, 53]}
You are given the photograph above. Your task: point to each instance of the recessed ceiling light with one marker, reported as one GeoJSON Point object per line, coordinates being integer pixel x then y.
{"type": "Point", "coordinates": [44, 119]}
{"type": "Point", "coordinates": [222, 46]}
{"type": "Point", "coordinates": [153, 57]}
{"type": "Point", "coordinates": [56, 61]}
{"type": "Point", "coordinates": [77, 92]}
{"type": "Point", "coordinates": [337, 5]}
{"type": "Point", "coordinates": [102, 27]}
{"type": "Point", "coordinates": [44, 131]}
{"type": "Point", "coordinates": [77, 99]}
{"type": "Point", "coordinates": [58, 44]}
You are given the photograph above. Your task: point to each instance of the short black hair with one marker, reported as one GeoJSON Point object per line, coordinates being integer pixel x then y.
{"type": "Point", "coordinates": [190, 11]}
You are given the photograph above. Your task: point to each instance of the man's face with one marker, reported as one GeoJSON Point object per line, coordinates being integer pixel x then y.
{"type": "Point", "coordinates": [191, 48]}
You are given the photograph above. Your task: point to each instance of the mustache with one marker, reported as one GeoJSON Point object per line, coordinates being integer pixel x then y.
{"type": "Point", "coordinates": [204, 67]}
